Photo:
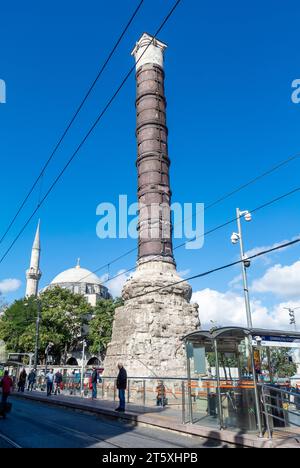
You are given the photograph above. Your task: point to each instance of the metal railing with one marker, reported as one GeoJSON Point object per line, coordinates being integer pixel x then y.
{"type": "Point", "coordinates": [191, 401]}
{"type": "Point", "coordinates": [280, 407]}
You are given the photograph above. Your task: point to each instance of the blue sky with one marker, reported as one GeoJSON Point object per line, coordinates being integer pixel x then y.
{"type": "Point", "coordinates": [229, 69]}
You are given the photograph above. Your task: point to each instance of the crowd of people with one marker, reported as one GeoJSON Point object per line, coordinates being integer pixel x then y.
{"type": "Point", "coordinates": [55, 383]}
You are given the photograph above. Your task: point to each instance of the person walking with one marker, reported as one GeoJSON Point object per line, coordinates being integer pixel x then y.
{"type": "Point", "coordinates": [58, 378]}
{"type": "Point", "coordinates": [121, 386]}
{"type": "Point", "coordinates": [31, 380]}
{"type": "Point", "coordinates": [94, 381]}
{"type": "Point", "coordinates": [7, 385]}
{"type": "Point", "coordinates": [50, 380]}
{"type": "Point", "coordinates": [22, 381]}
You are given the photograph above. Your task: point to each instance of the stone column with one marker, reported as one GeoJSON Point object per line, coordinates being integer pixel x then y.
{"type": "Point", "coordinates": [154, 194]}
{"type": "Point", "coordinates": [147, 330]}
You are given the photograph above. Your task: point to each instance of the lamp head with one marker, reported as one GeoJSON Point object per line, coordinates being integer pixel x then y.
{"type": "Point", "coordinates": [234, 238]}
{"type": "Point", "coordinates": [248, 216]}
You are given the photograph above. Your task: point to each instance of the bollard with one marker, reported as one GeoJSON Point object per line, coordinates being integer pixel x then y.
{"type": "Point", "coordinates": [114, 391]}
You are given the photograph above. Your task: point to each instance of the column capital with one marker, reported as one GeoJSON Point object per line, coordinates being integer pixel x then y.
{"type": "Point", "coordinates": [149, 50]}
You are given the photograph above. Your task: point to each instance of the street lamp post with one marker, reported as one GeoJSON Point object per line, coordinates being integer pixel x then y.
{"type": "Point", "coordinates": [37, 333]}
{"type": "Point", "coordinates": [47, 350]}
{"type": "Point", "coordinates": [245, 263]}
{"type": "Point", "coordinates": [235, 238]}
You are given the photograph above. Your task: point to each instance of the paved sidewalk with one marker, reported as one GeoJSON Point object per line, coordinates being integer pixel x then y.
{"type": "Point", "coordinates": [164, 418]}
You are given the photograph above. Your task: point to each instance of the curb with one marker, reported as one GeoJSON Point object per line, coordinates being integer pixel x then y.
{"type": "Point", "coordinates": [242, 440]}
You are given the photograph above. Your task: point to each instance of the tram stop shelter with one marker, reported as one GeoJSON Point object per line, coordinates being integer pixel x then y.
{"type": "Point", "coordinates": [230, 372]}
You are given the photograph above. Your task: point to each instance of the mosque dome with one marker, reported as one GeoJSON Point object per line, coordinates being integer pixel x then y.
{"type": "Point", "coordinates": [81, 281]}
{"type": "Point", "coordinates": [76, 275]}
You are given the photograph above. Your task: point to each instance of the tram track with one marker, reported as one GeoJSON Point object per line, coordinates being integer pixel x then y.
{"type": "Point", "coordinates": [26, 416]}
{"type": "Point", "coordinates": [9, 441]}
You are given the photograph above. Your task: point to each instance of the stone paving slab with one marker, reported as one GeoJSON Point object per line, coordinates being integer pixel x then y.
{"type": "Point", "coordinates": [163, 418]}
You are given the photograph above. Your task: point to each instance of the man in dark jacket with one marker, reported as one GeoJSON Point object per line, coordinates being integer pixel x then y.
{"type": "Point", "coordinates": [121, 386]}
{"type": "Point", "coordinates": [22, 381]}
{"type": "Point", "coordinates": [58, 378]}
{"type": "Point", "coordinates": [94, 381]}
{"type": "Point", "coordinates": [31, 380]}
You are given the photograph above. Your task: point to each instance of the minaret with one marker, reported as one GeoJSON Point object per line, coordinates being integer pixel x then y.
{"type": "Point", "coordinates": [157, 313]}
{"type": "Point", "coordinates": [34, 273]}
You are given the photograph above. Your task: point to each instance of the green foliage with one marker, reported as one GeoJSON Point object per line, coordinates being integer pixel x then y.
{"type": "Point", "coordinates": [100, 327]}
{"type": "Point", "coordinates": [63, 316]}
{"type": "Point", "coordinates": [281, 365]}
{"type": "Point", "coordinates": [225, 361]}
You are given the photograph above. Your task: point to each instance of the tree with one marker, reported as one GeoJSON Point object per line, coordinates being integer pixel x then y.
{"type": "Point", "coordinates": [282, 365]}
{"type": "Point", "coordinates": [100, 326]}
{"type": "Point", "coordinates": [63, 317]}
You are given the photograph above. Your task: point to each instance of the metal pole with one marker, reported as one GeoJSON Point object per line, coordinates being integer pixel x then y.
{"type": "Point", "coordinates": [82, 368]}
{"type": "Point", "coordinates": [30, 360]}
{"type": "Point", "coordinates": [144, 392]}
{"type": "Point", "coordinates": [189, 388]}
{"type": "Point", "coordinates": [244, 272]}
{"type": "Point", "coordinates": [46, 360]}
{"type": "Point", "coordinates": [266, 411]}
{"type": "Point", "coordinates": [270, 365]}
{"type": "Point", "coordinates": [256, 395]}
{"type": "Point", "coordinates": [37, 336]}
{"type": "Point", "coordinates": [183, 401]}
{"type": "Point", "coordinates": [218, 385]}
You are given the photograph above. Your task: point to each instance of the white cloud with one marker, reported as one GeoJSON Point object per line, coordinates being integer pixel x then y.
{"type": "Point", "coordinates": [9, 285]}
{"type": "Point", "coordinates": [266, 258]}
{"type": "Point", "coordinates": [229, 309]}
{"type": "Point", "coordinates": [115, 285]}
{"type": "Point", "coordinates": [236, 282]}
{"type": "Point", "coordinates": [283, 281]}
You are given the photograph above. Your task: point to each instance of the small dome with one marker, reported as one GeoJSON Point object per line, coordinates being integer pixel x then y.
{"type": "Point", "coordinates": [76, 275]}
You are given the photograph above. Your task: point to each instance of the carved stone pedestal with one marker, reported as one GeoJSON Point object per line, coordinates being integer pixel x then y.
{"type": "Point", "coordinates": [147, 330]}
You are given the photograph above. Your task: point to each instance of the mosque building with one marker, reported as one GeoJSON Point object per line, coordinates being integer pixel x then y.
{"type": "Point", "coordinates": [78, 280]}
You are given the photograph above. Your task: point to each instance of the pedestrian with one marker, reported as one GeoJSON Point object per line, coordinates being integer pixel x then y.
{"type": "Point", "coordinates": [7, 385]}
{"type": "Point", "coordinates": [22, 381]}
{"type": "Point", "coordinates": [121, 386]}
{"type": "Point", "coordinates": [31, 380]}
{"type": "Point", "coordinates": [94, 383]}
{"type": "Point", "coordinates": [58, 378]}
{"type": "Point", "coordinates": [161, 399]}
{"type": "Point", "coordinates": [50, 380]}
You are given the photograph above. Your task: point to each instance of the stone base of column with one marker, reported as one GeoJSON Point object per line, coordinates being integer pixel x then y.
{"type": "Point", "coordinates": [147, 330]}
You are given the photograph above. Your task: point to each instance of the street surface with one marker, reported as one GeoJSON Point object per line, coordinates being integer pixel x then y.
{"type": "Point", "coordinates": [38, 425]}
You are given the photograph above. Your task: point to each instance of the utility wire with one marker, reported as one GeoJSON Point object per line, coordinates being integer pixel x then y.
{"type": "Point", "coordinates": [223, 267]}
{"type": "Point", "coordinates": [220, 226]}
{"type": "Point", "coordinates": [110, 55]}
{"type": "Point", "coordinates": [132, 69]}
{"type": "Point", "coordinates": [207, 207]}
